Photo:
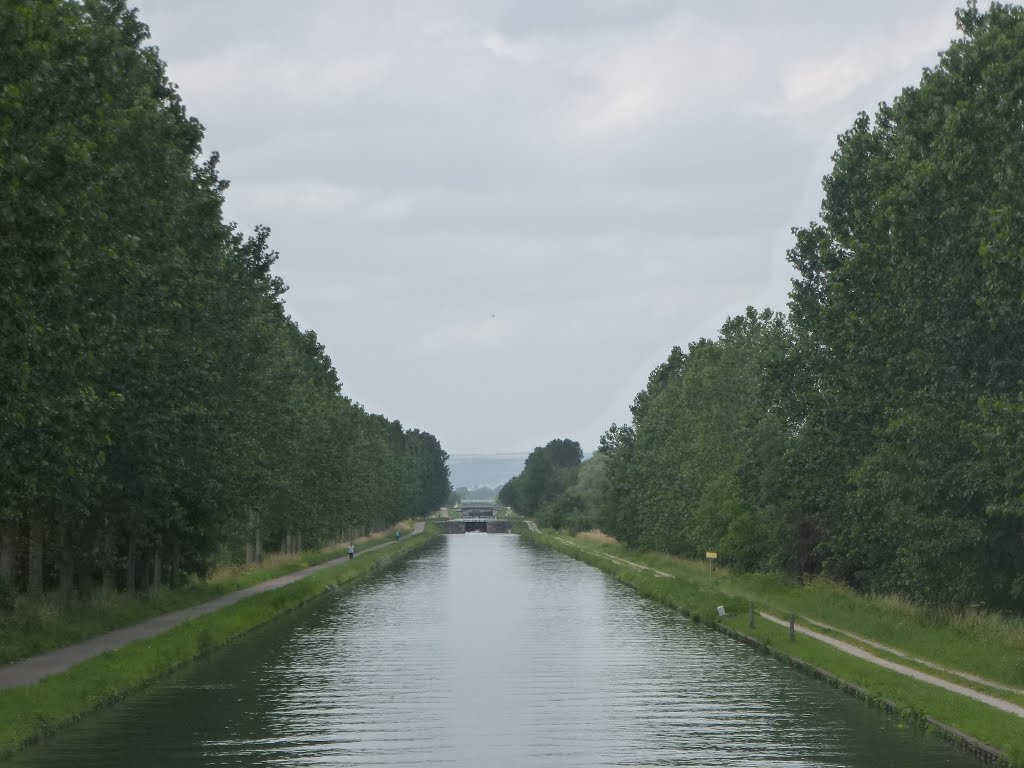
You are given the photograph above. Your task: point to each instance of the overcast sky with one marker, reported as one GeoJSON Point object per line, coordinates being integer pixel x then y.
{"type": "Point", "coordinates": [500, 216]}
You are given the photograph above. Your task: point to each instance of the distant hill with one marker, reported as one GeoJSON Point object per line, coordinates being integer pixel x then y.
{"type": "Point", "coordinates": [480, 470]}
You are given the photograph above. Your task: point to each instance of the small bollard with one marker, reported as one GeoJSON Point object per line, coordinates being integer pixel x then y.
{"type": "Point", "coordinates": [751, 614]}
{"type": "Point", "coordinates": [792, 626]}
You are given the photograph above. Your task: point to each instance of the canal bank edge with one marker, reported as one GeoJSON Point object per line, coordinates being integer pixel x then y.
{"type": "Point", "coordinates": [32, 712]}
{"type": "Point", "coordinates": [638, 580]}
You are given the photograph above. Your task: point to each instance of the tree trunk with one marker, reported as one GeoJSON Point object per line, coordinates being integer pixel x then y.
{"type": "Point", "coordinates": [67, 563]}
{"type": "Point", "coordinates": [7, 553]}
{"type": "Point", "coordinates": [129, 576]}
{"type": "Point", "coordinates": [109, 557]}
{"type": "Point", "coordinates": [176, 564]}
{"type": "Point", "coordinates": [250, 544]}
{"type": "Point", "coordinates": [85, 581]}
{"type": "Point", "coordinates": [258, 547]}
{"type": "Point", "coordinates": [298, 542]}
{"type": "Point", "coordinates": [36, 533]}
{"type": "Point", "coordinates": [157, 566]}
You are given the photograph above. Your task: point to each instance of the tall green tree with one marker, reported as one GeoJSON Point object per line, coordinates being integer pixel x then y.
{"type": "Point", "coordinates": [682, 476]}
{"type": "Point", "coordinates": [158, 407]}
{"type": "Point", "coordinates": [907, 329]}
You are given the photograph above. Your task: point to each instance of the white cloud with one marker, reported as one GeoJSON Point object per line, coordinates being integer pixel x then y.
{"type": "Point", "coordinates": [812, 81]}
{"type": "Point", "coordinates": [606, 178]}
{"type": "Point", "coordinates": [521, 52]}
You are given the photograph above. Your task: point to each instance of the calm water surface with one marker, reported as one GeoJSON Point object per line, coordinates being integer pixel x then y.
{"type": "Point", "coordinates": [486, 651]}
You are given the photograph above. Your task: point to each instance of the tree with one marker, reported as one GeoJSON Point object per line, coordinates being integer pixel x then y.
{"type": "Point", "coordinates": [548, 471]}
{"type": "Point", "coordinates": [908, 331]}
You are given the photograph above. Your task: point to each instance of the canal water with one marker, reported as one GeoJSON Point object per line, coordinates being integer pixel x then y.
{"type": "Point", "coordinates": [484, 650]}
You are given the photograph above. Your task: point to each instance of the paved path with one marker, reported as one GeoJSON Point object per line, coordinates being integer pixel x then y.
{"type": "Point", "coordinates": [853, 650]}
{"type": "Point", "coordinates": [35, 668]}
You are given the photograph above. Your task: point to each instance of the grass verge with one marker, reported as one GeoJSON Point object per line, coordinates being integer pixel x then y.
{"type": "Point", "coordinates": [697, 593]}
{"type": "Point", "coordinates": [44, 623]}
{"type": "Point", "coordinates": [31, 712]}
{"type": "Point", "coordinates": [945, 636]}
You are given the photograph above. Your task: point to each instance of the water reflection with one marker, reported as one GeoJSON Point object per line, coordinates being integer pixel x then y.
{"type": "Point", "coordinates": [485, 651]}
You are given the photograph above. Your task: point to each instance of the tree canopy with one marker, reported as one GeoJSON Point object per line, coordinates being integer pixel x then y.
{"type": "Point", "coordinates": [547, 473]}
{"type": "Point", "coordinates": [158, 406]}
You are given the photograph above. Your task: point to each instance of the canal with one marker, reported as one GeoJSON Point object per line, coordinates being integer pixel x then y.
{"type": "Point", "coordinates": [484, 650]}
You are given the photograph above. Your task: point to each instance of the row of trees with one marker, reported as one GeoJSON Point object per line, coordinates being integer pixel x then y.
{"type": "Point", "coordinates": [547, 475]}
{"type": "Point", "coordinates": [704, 465]}
{"type": "Point", "coordinates": [158, 407]}
{"type": "Point", "coordinates": [875, 433]}
{"type": "Point", "coordinates": [479, 493]}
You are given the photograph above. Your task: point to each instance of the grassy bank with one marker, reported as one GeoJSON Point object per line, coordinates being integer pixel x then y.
{"type": "Point", "coordinates": [33, 711]}
{"type": "Point", "coordinates": [984, 644]}
{"type": "Point", "coordinates": [40, 624]}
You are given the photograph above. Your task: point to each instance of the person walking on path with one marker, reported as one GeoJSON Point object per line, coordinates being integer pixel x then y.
{"type": "Point", "coordinates": [351, 551]}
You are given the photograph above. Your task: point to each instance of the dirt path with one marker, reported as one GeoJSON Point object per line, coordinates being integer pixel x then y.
{"type": "Point", "coordinates": [613, 558]}
{"type": "Point", "coordinates": [860, 653]}
{"type": "Point", "coordinates": [35, 668]}
{"type": "Point", "coordinates": [902, 669]}
{"type": "Point", "coordinates": [900, 654]}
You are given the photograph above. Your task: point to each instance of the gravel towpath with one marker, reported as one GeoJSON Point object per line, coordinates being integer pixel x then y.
{"type": "Point", "coordinates": [903, 669]}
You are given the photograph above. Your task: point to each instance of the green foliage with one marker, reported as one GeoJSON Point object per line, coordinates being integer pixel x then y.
{"type": "Point", "coordinates": [686, 475]}
{"type": "Point", "coordinates": [548, 472]}
{"type": "Point", "coordinates": [158, 407]}
{"type": "Point", "coordinates": [7, 596]}
{"type": "Point", "coordinates": [910, 356]}
{"type": "Point", "coordinates": [577, 507]}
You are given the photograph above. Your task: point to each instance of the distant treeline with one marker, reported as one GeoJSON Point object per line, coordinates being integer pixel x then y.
{"type": "Point", "coordinates": [875, 433]}
{"type": "Point", "coordinates": [158, 407]}
{"type": "Point", "coordinates": [481, 493]}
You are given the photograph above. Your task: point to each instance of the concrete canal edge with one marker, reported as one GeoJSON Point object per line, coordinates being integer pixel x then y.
{"type": "Point", "coordinates": [34, 711]}
{"type": "Point", "coordinates": [964, 741]}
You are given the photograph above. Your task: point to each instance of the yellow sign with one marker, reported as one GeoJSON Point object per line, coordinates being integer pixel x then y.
{"type": "Point", "coordinates": [712, 555]}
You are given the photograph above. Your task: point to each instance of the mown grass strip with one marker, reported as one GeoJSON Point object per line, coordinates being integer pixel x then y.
{"type": "Point", "coordinates": [31, 712]}
{"type": "Point", "coordinates": [990, 733]}
{"type": "Point", "coordinates": [45, 623]}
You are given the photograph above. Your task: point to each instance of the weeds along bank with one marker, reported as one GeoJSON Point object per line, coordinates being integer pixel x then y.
{"type": "Point", "coordinates": [31, 712]}
{"type": "Point", "coordinates": [987, 646]}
